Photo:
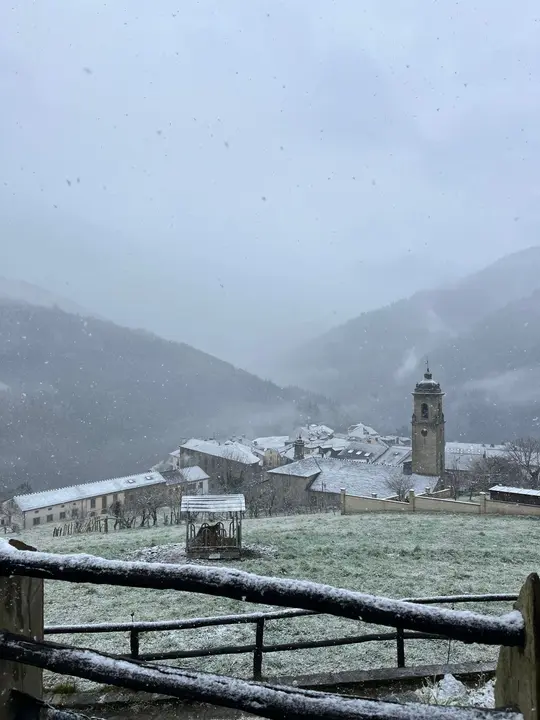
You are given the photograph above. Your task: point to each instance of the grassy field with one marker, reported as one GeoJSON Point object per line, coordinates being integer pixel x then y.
{"type": "Point", "coordinates": [392, 555]}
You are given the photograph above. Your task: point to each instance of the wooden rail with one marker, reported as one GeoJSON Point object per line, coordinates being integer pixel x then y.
{"type": "Point", "coordinates": [258, 648]}
{"type": "Point", "coordinates": [236, 584]}
{"type": "Point", "coordinates": [266, 700]}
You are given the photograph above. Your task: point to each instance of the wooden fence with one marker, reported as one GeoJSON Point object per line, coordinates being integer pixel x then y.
{"type": "Point", "coordinates": [86, 525]}
{"type": "Point", "coordinates": [22, 646]}
{"type": "Point", "coordinates": [258, 647]}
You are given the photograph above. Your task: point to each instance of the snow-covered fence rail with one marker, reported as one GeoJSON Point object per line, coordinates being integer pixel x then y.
{"type": "Point", "coordinates": [20, 645]}
{"type": "Point", "coordinates": [259, 619]}
{"type": "Point", "coordinates": [461, 625]}
{"type": "Point", "coordinates": [265, 700]}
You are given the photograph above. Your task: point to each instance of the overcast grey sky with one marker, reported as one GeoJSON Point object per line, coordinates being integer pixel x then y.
{"type": "Point", "coordinates": [238, 174]}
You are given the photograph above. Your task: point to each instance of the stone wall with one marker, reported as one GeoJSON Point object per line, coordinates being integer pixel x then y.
{"type": "Point", "coordinates": [352, 504]}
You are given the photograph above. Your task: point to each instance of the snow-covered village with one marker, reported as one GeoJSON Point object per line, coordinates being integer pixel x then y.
{"type": "Point", "coordinates": [283, 522]}
{"type": "Point", "coordinates": [269, 360]}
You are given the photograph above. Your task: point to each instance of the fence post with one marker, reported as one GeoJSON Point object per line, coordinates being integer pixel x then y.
{"type": "Point", "coordinates": [343, 500]}
{"type": "Point", "coordinates": [483, 503]}
{"type": "Point", "coordinates": [21, 611]}
{"type": "Point", "coordinates": [258, 653]}
{"type": "Point", "coordinates": [517, 680]}
{"type": "Point", "coordinates": [134, 644]}
{"type": "Point", "coordinates": [400, 640]}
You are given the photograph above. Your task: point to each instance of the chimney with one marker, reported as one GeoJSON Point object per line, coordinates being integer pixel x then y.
{"type": "Point", "coordinates": [299, 446]}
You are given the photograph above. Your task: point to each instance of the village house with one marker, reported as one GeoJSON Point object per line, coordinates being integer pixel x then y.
{"type": "Point", "coordinates": [86, 500]}
{"type": "Point", "coordinates": [319, 481]}
{"type": "Point", "coordinates": [272, 450]}
{"type": "Point", "coordinates": [361, 432]}
{"type": "Point", "coordinates": [192, 480]}
{"type": "Point", "coordinates": [99, 498]}
{"type": "Point", "coordinates": [229, 465]}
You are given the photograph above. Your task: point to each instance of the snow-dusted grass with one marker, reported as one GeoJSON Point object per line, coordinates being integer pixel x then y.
{"type": "Point", "coordinates": [392, 555]}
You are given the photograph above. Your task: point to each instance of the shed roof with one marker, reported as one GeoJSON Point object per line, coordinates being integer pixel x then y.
{"type": "Point", "coordinates": [46, 498]}
{"type": "Point", "coordinates": [515, 490]}
{"type": "Point", "coordinates": [213, 503]}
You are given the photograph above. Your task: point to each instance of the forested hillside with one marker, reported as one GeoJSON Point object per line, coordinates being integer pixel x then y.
{"type": "Point", "coordinates": [82, 399]}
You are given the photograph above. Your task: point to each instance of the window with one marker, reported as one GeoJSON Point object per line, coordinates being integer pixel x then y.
{"type": "Point", "coordinates": [75, 512]}
{"type": "Point", "coordinates": [35, 521]}
{"type": "Point", "coordinates": [62, 515]}
{"type": "Point", "coordinates": [93, 503]}
{"type": "Point", "coordinates": [425, 411]}
{"type": "Point", "coordinates": [424, 432]}
{"type": "Point", "coordinates": [36, 511]}
{"type": "Point", "coordinates": [62, 506]}
{"type": "Point", "coordinates": [49, 508]}
{"type": "Point", "coordinates": [104, 501]}
{"type": "Point", "coordinates": [115, 497]}
{"type": "Point", "coordinates": [49, 518]}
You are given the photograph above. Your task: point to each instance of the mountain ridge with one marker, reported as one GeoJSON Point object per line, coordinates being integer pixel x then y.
{"type": "Point", "coordinates": [371, 363]}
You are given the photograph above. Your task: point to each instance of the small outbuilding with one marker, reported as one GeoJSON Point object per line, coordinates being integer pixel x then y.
{"type": "Point", "coordinates": [213, 526]}
{"type": "Point", "coordinates": [521, 496]}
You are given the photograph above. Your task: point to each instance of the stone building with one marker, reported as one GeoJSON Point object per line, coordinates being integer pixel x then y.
{"type": "Point", "coordinates": [229, 465]}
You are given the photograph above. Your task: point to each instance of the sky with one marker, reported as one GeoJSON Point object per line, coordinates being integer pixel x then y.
{"type": "Point", "coordinates": [242, 175]}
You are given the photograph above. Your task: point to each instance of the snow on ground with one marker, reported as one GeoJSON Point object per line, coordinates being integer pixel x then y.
{"type": "Point", "coordinates": [451, 691]}
{"type": "Point", "coordinates": [176, 553]}
{"type": "Point", "coordinates": [390, 555]}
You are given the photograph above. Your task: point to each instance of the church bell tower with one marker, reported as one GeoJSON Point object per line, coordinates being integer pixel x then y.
{"type": "Point", "coordinates": [428, 427]}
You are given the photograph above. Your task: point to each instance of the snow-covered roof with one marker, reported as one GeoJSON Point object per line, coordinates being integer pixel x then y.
{"type": "Point", "coordinates": [515, 490]}
{"type": "Point", "coordinates": [365, 451]}
{"type": "Point", "coordinates": [227, 450]}
{"type": "Point", "coordinates": [60, 496]}
{"type": "Point", "coordinates": [361, 431]}
{"type": "Point", "coordinates": [395, 455]}
{"type": "Point", "coordinates": [274, 442]}
{"type": "Point", "coordinates": [332, 443]}
{"type": "Point", "coordinates": [308, 467]}
{"type": "Point", "coordinates": [462, 456]}
{"type": "Point", "coordinates": [184, 475]}
{"type": "Point", "coordinates": [312, 432]}
{"type": "Point", "coordinates": [175, 453]}
{"type": "Point", "coordinates": [213, 503]}
{"type": "Point", "coordinates": [362, 479]}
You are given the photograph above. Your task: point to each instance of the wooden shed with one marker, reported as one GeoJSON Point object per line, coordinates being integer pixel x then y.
{"type": "Point", "coordinates": [522, 496]}
{"type": "Point", "coordinates": [213, 526]}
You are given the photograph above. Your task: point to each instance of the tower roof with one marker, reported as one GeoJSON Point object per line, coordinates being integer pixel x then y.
{"type": "Point", "coordinates": [428, 384]}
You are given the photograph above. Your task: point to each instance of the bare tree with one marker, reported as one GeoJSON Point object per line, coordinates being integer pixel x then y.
{"type": "Point", "coordinates": [174, 502]}
{"type": "Point", "coordinates": [524, 453]}
{"type": "Point", "coordinates": [398, 484]}
{"type": "Point", "coordinates": [494, 470]}
{"type": "Point", "coordinates": [456, 480]}
{"type": "Point", "coordinates": [148, 502]}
